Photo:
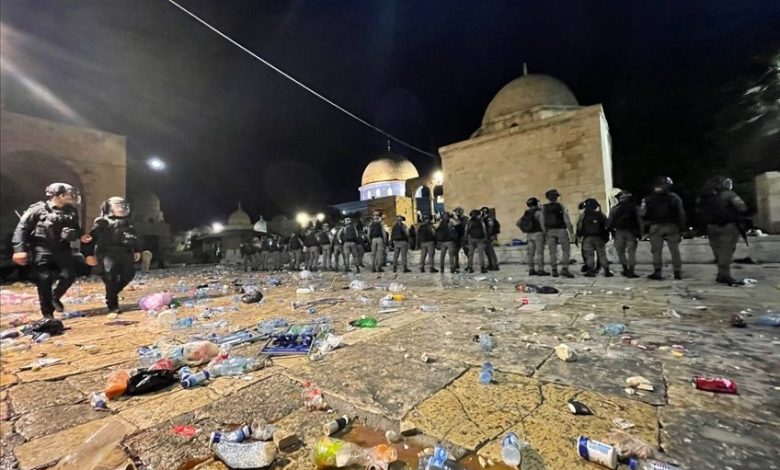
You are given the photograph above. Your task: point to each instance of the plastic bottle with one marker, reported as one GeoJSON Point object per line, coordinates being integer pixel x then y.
{"type": "Point", "coordinates": [69, 315]}
{"type": "Point", "coordinates": [42, 338]}
{"type": "Point", "coordinates": [183, 323]}
{"type": "Point", "coordinates": [239, 435]}
{"type": "Point", "coordinates": [485, 342]}
{"type": "Point", "coordinates": [388, 302]}
{"type": "Point", "coordinates": [148, 355]}
{"type": "Point", "coordinates": [117, 384]}
{"type": "Point", "coordinates": [95, 449]}
{"type": "Point", "coordinates": [331, 452]}
{"type": "Point", "coordinates": [769, 319]}
{"type": "Point", "coordinates": [429, 308]}
{"type": "Point", "coordinates": [166, 318]}
{"type": "Point", "coordinates": [438, 461]}
{"type": "Point", "coordinates": [647, 464]}
{"type": "Point", "coordinates": [366, 322]}
{"type": "Point", "coordinates": [235, 366]}
{"type": "Point", "coordinates": [614, 329]}
{"type": "Point", "coordinates": [486, 374]}
{"type": "Point", "coordinates": [98, 400]}
{"type": "Point", "coordinates": [312, 397]}
{"type": "Point", "coordinates": [511, 450]}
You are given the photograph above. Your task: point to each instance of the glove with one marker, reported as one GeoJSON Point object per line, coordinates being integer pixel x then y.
{"type": "Point", "coordinates": [91, 261]}
{"type": "Point", "coordinates": [20, 258]}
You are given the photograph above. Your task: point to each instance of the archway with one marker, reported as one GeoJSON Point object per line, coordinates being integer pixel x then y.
{"type": "Point", "coordinates": [24, 176]}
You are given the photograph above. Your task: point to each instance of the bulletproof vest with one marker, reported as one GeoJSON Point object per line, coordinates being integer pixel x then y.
{"type": "Point", "coordinates": [445, 232]}
{"type": "Point", "coordinates": [425, 233]}
{"type": "Point", "coordinates": [322, 237]}
{"type": "Point", "coordinates": [310, 239]}
{"type": "Point", "coordinates": [593, 223]}
{"type": "Point", "coordinates": [529, 223]}
{"type": "Point", "coordinates": [118, 234]}
{"type": "Point", "coordinates": [475, 229]}
{"type": "Point", "coordinates": [625, 218]}
{"type": "Point", "coordinates": [350, 234]}
{"type": "Point", "coordinates": [273, 245]}
{"type": "Point", "coordinates": [716, 208]}
{"type": "Point", "coordinates": [553, 215]}
{"type": "Point", "coordinates": [265, 245]}
{"type": "Point", "coordinates": [461, 226]}
{"type": "Point", "coordinates": [55, 228]}
{"type": "Point", "coordinates": [375, 230]}
{"type": "Point", "coordinates": [295, 242]}
{"type": "Point", "coordinates": [398, 233]}
{"type": "Point", "coordinates": [660, 208]}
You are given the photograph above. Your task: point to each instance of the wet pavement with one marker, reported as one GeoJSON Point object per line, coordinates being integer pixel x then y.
{"type": "Point", "coordinates": [420, 369]}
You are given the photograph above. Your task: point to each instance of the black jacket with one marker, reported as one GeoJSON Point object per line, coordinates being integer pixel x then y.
{"type": "Point", "coordinates": [43, 227]}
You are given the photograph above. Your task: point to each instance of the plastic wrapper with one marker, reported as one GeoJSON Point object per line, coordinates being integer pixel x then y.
{"type": "Point", "coordinates": [156, 301]}
{"type": "Point", "coordinates": [628, 446]}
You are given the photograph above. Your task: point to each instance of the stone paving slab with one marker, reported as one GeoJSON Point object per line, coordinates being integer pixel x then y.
{"type": "Point", "coordinates": [35, 396]}
{"type": "Point", "coordinates": [377, 378]}
{"type": "Point", "coordinates": [45, 421]}
{"type": "Point", "coordinates": [720, 440]}
{"type": "Point", "coordinates": [44, 450]}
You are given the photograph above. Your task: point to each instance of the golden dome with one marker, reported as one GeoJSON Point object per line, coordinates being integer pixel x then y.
{"type": "Point", "coordinates": [526, 92]}
{"type": "Point", "coordinates": [239, 218]}
{"type": "Point", "coordinates": [389, 167]}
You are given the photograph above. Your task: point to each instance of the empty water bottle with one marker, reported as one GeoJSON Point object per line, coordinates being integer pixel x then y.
{"type": "Point", "coordinates": [188, 379]}
{"type": "Point", "coordinates": [486, 342]}
{"type": "Point", "coordinates": [182, 323]}
{"type": "Point", "coordinates": [429, 308]}
{"type": "Point", "coordinates": [511, 450]}
{"type": "Point", "coordinates": [236, 366]}
{"type": "Point", "coordinates": [614, 329]}
{"type": "Point", "coordinates": [42, 337]}
{"type": "Point", "coordinates": [438, 461]}
{"type": "Point", "coordinates": [486, 374]}
{"type": "Point", "coordinates": [69, 315]}
{"type": "Point", "coordinates": [388, 302]}
{"type": "Point", "coordinates": [769, 319]}
{"type": "Point", "coordinates": [98, 400]}
{"type": "Point", "coordinates": [648, 464]}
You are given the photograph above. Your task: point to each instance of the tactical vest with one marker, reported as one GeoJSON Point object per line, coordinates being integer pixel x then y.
{"type": "Point", "coordinates": [398, 233]}
{"type": "Point", "coordinates": [350, 234]}
{"type": "Point", "coordinates": [118, 233]}
{"type": "Point", "coordinates": [593, 224]}
{"type": "Point", "coordinates": [475, 229]}
{"type": "Point", "coordinates": [553, 215]}
{"type": "Point", "coordinates": [660, 208]}
{"type": "Point", "coordinates": [55, 228]}
{"type": "Point", "coordinates": [529, 223]}
{"type": "Point", "coordinates": [446, 232]}
{"type": "Point", "coordinates": [625, 217]}
{"type": "Point", "coordinates": [375, 230]}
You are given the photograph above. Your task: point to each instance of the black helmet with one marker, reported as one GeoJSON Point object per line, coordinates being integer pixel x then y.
{"type": "Point", "coordinates": [473, 213]}
{"type": "Point", "coordinates": [623, 195]}
{"type": "Point", "coordinates": [591, 203]}
{"type": "Point", "coordinates": [721, 183]}
{"type": "Point", "coordinates": [531, 202]}
{"type": "Point", "coordinates": [458, 210]}
{"type": "Point", "coordinates": [552, 193]}
{"type": "Point", "coordinates": [662, 182]}
{"type": "Point", "coordinates": [108, 206]}
{"type": "Point", "coordinates": [59, 189]}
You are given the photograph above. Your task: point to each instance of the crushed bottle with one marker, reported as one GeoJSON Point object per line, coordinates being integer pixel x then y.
{"type": "Point", "coordinates": [512, 450]}
{"type": "Point", "coordinates": [486, 374]}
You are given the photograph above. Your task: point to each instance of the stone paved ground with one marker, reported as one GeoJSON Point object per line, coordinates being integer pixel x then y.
{"type": "Point", "coordinates": [379, 375]}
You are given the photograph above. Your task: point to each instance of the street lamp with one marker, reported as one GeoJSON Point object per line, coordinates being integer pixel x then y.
{"type": "Point", "coordinates": [302, 218]}
{"type": "Point", "coordinates": [217, 227]}
{"type": "Point", "coordinates": [320, 217]}
{"type": "Point", "coordinates": [155, 163]}
{"type": "Point", "coordinates": [438, 177]}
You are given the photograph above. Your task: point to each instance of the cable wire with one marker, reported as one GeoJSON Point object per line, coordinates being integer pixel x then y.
{"type": "Point", "coordinates": [302, 85]}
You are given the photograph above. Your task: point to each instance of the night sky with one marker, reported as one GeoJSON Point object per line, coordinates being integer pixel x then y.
{"type": "Point", "coordinates": [672, 77]}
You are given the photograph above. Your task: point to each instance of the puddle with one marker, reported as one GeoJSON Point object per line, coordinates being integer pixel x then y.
{"type": "Point", "coordinates": [471, 462]}
{"type": "Point", "coordinates": [367, 437]}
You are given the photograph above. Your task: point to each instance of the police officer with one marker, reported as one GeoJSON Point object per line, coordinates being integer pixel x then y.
{"type": "Point", "coordinates": [45, 233]}
{"type": "Point", "coordinates": [114, 243]}
{"type": "Point", "coordinates": [460, 225]}
{"type": "Point", "coordinates": [274, 252]}
{"type": "Point", "coordinates": [295, 247]}
{"type": "Point", "coordinates": [532, 224]}
{"type": "Point", "coordinates": [361, 242]}
{"type": "Point", "coordinates": [625, 224]}
{"type": "Point", "coordinates": [378, 237]}
{"type": "Point", "coordinates": [447, 237]}
{"type": "Point", "coordinates": [350, 237]}
{"type": "Point", "coordinates": [312, 248]}
{"type": "Point", "coordinates": [326, 245]}
{"type": "Point", "coordinates": [592, 229]}
{"type": "Point", "coordinates": [265, 250]}
{"type": "Point", "coordinates": [722, 210]}
{"type": "Point", "coordinates": [493, 229]}
{"type": "Point", "coordinates": [476, 234]}
{"type": "Point", "coordinates": [338, 248]}
{"type": "Point", "coordinates": [399, 234]}
{"type": "Point", "coordinates": [426, 241]}
{"type": "Point", "coordinates": [664, 215]}
{"type": "Point", "coordinates": [557, 226]}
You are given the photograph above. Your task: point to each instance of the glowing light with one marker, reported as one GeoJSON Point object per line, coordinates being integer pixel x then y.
{"type": "Point", "coordinates": [217, 227]}
{"type": "Point", "coordinates": [302, 218]}
{"type": "Point", "coordinates": [438, 177]}
{"type": "Point", "coordinates": [155, 163]}
{"type": "Point", "coordinates": [320, 217]}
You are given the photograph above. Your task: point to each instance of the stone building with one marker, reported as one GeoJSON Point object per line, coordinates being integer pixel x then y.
{"type": "Point", "coordinates": [768, 202]}
{"type": "Point", "coordinates": [35, 152]}
{"type": "Point", "coordinates": [149, 221]}
{"type": "Point", "coordinates": [534, 136]}
{"type": "Point", "coordinates": [224, 244]}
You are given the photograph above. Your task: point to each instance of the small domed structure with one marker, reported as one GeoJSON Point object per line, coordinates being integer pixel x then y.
{"type": "Point", "coordinates": [526, 92]}
{"type": "Point", "coordinates": [389, 167]}
{"type": "Point", "coordinates": [239, 219]}
{"type": "Point", "coordinates": [386, 175]}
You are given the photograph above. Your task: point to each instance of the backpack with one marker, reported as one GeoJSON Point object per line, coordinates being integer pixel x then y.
{"type": "Point", "coordinates": [593, 224]}
{"type": "Point", "coordinates": [712, 209]}
{"type": "Point", "coordinates": [496, 227]}
{"type": "Point", "coordinates": [553, 215]}
{"type": "Point", "coordinates": [528, 222]}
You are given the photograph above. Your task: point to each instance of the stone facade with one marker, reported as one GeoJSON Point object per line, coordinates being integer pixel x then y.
{"type": "Point", "coordinates": [545, 147]}
{"type": "Point", "coordinates": [35, 152]}
{"type": "Point", "coordinates": [768, 202]}
{"type": "Point", "coordinates": [392, 206]}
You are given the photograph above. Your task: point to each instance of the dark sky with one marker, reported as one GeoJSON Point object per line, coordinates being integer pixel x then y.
{"type": "Point", "coordinates": [671, 77]}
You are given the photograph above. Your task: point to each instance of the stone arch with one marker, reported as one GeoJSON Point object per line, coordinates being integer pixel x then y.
{"type": "Point", "coordinates": [25, 175]}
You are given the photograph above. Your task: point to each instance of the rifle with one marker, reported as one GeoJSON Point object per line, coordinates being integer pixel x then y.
{"type": "Point", "coordinates": [742, 227]}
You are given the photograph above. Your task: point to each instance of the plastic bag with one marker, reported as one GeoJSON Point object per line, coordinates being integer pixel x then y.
{"type": "Point", "coordinates": [628, 446]}
{"type": "Point", "coordinates": [198, 352]}
{"type": "Point", "coordinates": [156, 301]}
{"type": "Point", "coordinates": [146, 381]}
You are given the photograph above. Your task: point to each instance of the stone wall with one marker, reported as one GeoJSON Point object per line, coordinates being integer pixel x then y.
{"type": "Point", "coordinates": [768, 201]}
{"type": "Point", "coordinates": [391, 206]}
{"type": "Point", "coordinates": [568, 151]}
{"type": "Point", "coordinates": [95, 157]}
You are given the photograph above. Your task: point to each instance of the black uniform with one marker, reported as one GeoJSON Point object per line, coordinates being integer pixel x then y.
{"type": "Point", "coordinates": [45, 233]}
{"type": "Point", "coordinates": [114, 241]}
